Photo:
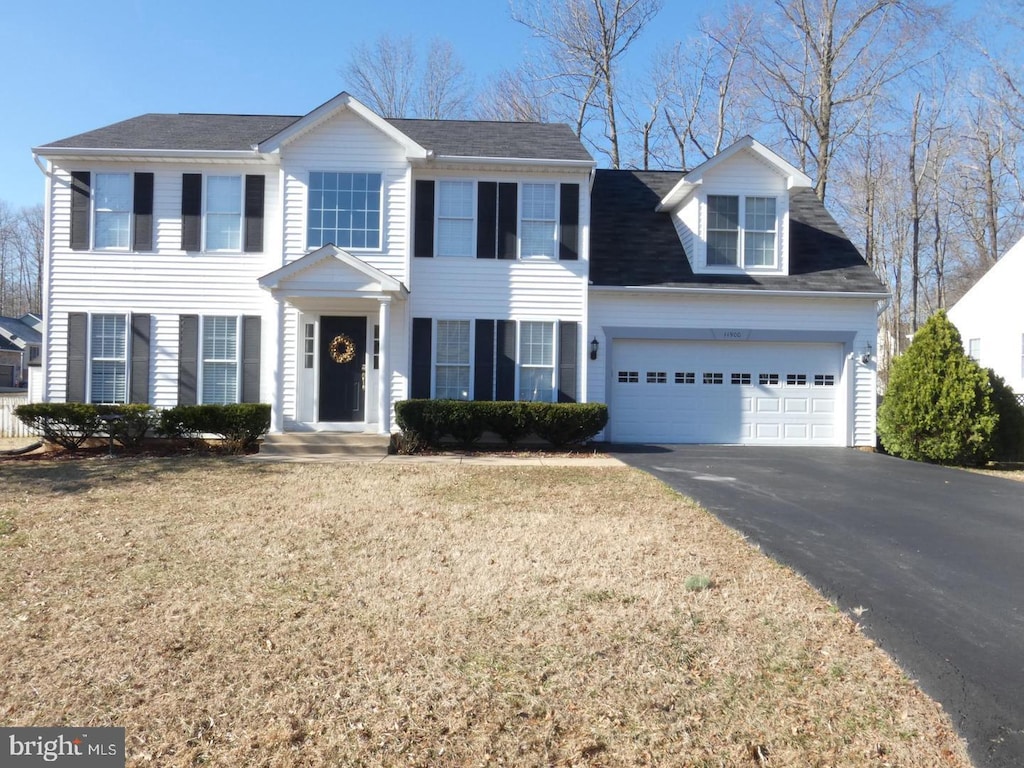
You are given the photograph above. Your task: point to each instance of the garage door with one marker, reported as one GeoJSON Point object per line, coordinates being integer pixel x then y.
{"type": "Point", "coordinates": [734, 393]}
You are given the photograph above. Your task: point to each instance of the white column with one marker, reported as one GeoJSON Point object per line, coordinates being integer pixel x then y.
{"type": "Point", "coordinates": [384, 371]}
{"type": "Point", "coordinates": [274, 333]}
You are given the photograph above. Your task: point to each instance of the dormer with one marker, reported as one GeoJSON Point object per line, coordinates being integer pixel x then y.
{"type": "Point", "coordinates": [732, 211]}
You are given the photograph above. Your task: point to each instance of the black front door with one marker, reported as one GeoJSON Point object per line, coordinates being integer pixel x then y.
{"type": "Point", "coordinates": [342, 368]}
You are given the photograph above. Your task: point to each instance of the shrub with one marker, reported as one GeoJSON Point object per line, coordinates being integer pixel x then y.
{"type": "Point", "coordinates": [938, 404]}
{"type": "Point", "coordinates": [417, 419]}
{"type": "Point", "coordinates": [65, 424]}
{"type": "Point", "coordinates": [133, 423]}
{"type": "Point", "coordinates": [508, 420]}
{"type": "Point", "coordinates": [462, 420]}
{"type": "Point", "coordinates": [240, 425]}
{"type": "Point", "coordinates": [1008, 439]}
{"type": "Point", "coordinates": [565, 424]}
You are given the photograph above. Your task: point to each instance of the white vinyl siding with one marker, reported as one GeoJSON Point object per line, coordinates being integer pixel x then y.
{"type": "Point", "coordinates": [108, 359]}
{"type": "Point", "coordinates": [112, 209]}
{"type": "Point", "coordinates": [452, 356]}
{"type": "Point", "coordinates": [539, 220]}
{"type": "Point", "coordinates": [537, 361]}
{"type": "Point", "coordinates": [223, 213]}
{"type": "Point", "coordinates": [455, 221]}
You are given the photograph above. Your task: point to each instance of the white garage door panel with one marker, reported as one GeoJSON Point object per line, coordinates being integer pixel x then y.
{"type": "Point", "coordinates": [725, 392]}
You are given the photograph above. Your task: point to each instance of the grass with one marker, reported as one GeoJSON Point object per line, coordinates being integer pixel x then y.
{"type": "Point", "coordinates": [231, 613]}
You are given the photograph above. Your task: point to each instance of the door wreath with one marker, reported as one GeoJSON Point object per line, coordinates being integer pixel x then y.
{"type": "Point", "coordinates": [342, 349]}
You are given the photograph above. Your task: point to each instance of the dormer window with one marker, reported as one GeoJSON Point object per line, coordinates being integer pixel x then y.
{"type": "Point", "coordinates": [756, 239]}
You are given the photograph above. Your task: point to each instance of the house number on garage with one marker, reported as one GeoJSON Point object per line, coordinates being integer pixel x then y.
{"type": "Point", "coordinates": [731, 334]}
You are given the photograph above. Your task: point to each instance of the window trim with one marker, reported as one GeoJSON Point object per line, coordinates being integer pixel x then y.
{"type": "Point", "coordinates": [741, 267]}
{"type": "Point", "coordinates": [555, 223]}
{"type": "Point", "coordinates": [201, 358]}
{"type": "Point", "coordinates": [381, 225]}
{"type": "Point", "coordinates": [206, 212]}
{"type": "Point", "coordinates": [94, 211]}
{"type": "Point", "coordinates": [125, 359]}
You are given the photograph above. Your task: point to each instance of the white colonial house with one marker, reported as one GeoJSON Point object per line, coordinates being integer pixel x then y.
{"type": "Point", "coordinates": [990, 318]}
{"type": "Point", "coordinates": [335, 263]}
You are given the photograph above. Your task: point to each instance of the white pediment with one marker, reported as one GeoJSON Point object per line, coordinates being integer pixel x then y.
{"type": "Point", "coordinates": [331, 272]}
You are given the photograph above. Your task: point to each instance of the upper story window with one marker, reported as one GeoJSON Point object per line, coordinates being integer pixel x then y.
{"type": "Point", "coordinates": [539, 220]}
{"type": "Point", "coordinates": [344, 209]}
{"type": "Point", "coordinates": [223, 213]}
{"type": "Point", "coordinates": [112, 209]}
{"type": "Point", "coordinates": [974, 349]}
{"type": "Point", "coordinates": [455, 208]}
{"type": "Point", "coordinates": [744, 228]}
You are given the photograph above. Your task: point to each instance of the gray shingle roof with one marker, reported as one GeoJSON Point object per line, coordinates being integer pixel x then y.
{"type": "Point", "coordinates": [633, 245]}
{"type": "Point", "coordinates": [464, 138]}
{"type": "Point", "coordinates": [21, 331]}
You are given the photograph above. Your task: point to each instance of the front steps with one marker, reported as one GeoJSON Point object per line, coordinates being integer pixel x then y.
{"type": "Point", "coordinates": [323, 446]}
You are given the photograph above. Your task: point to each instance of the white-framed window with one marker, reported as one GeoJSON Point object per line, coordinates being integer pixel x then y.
{"type": "Point", "coordinates": [108, 359]}
{"type": "Point", "coordinates": [223, 213]}
{"type": "Point", "coordinates": [537, 361]}
{"type": "Point", "coordinates": [309, 346]}
{"type": "Point", "coordinates": [539, 220]}
{"type": "Point", "coordinates": [456, 230]}
{"type": "Point", "coordinates": [219, 363]}
{"type": "Point", "coordinates": [974, 349]}
{"type": "Point", "coordinates": [112, 210]}
{"type": "Point", "coordinates": [345, 209]}
{"type": "Point", "coordinates": [742, 231]}
{"type": "Point", "coordinates": [452, 356]}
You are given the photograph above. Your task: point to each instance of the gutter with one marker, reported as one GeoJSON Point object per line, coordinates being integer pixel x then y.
{"type": "Point", "coordinates": [548, 163]}
{"type": "Point", "coordinates": [874, 295]}
{"type": "Point", "coordinates": [172, 154]}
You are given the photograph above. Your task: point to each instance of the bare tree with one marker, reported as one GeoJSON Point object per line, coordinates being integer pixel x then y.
{"type": "Point", "coordinates": [585, 40]}
{"type": "Point", "coordinates": [393, 80]}
{"type": "Point", "coordinates": [513, 95]}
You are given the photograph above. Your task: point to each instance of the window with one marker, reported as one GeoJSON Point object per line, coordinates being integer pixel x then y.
{"type": "Point", "coordinates": [685, 377]}
{"type": "Point", "coordinates": [712, 378]}
{"type": "Point", "coordinates": [657, 377]}
{"type": "Point", "coordinates": [768, 379]}
{"type": "Point", "coordinates": [538, 220]}
{"type": "Point", "coordinates": [629, 377]}
{"type": "Point", "coordinates": [824, 380]}
{"type": "Point", "coordinates": [452, 369]}
{"type": "Point", "coordinates": [224, 213]}
{"type": "Point", "coordinates": [796, 379]}
{"type": "Point", "coordinates": [740, 378]}
{"type": "Point", "coordinates": [756, 239]}
{"type": "Point", "coordinates": [219, 360]}
{"type": "Point", "coordinates": [112, 208]}
{"type": "Point", "coordinates": [974, 349]}
{"type": "Point", "coordinates": [344, 209]}
{"type": "Point", "coordinates": [536, 361]}
{"type": "Point", "coordinates": [455, 233]}
{"type": "Point", "coordinates": [309, 345]}
{"type": "Point", "coordinates": [376, 347]}
{"type": "Point", "coordinates": [108, 357]}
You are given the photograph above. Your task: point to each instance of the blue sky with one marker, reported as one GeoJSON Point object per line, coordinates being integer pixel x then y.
{"type": "Point", "coordinates": [73, 65]}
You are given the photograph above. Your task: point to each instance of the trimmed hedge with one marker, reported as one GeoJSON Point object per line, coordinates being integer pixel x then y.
{"type": "Point", "coordinates": [428, 422]}
{"type": "Point", "coordinates": [69, 425]}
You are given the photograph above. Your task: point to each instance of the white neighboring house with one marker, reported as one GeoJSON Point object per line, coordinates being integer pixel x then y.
{"type": "Point", "coordinates": [335, 263]}
{"type": "Point", "coordinates": [990, 318]}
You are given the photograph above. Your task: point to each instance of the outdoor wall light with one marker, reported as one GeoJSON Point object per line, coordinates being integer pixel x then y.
{"type": "Point", "coordinates": [593, 348]}
{"type": "Point", "coordinates": [865, 356]}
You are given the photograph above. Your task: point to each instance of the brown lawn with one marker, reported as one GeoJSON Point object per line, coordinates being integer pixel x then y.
{"type": "Point", "coordinates": [230, 613]}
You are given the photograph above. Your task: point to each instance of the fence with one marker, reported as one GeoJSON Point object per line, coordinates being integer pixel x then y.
{"type": "Point", "coordinates": [10, 426]}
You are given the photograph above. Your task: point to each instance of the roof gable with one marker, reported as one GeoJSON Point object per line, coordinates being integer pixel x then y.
{"type": "Point", "coordinates": [1007, 271]}
{"type": "Point", "coordinates": [330, 271]}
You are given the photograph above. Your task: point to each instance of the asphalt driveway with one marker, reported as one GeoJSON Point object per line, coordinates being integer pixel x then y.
{"type": "Point", "coordinates": [930, 561]}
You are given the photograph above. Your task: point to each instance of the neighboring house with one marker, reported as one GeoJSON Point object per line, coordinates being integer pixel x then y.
{"type": "Point", "coordinates": [990, 318]}
{"type": "Point", "coordinates": [335, 263]}
{"type": "Point", "coordinates": [20, 347]}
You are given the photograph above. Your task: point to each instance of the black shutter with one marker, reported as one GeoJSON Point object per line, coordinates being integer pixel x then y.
{"type": "Point", "coordinates": [251, 332]}
{"type": "Point", "coordinates": [568, 354]}
{"type": "Point", "coordinates": [423, 238]}
{"type": "Point", "coordinates": [191, 211]}
{"type": "Point", "coordinates": [78, 346]}
{"type": "Point", "coordinates": [505, 361]}
{"type": "Point", "coordinates": [81, 194]}
{"type": "Point", "coordinates": [422, 340]}
{"type": "Point", "coordinates": [483, 361]}
{"type": "Point", "coordinates": [486, 219]}
{"type": "Point", "coordinates": [141, 325]}
{"type": "Point", "coordinates": [569, 222]}
{"type": "Point", "coordinates": [508, 216]}
{"type": "Point", "coordinates": [142, 213]}
{"type": "Point", "coordinates": [188, 358]}
{"type": "Point", "coordinates": [254, 191]}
